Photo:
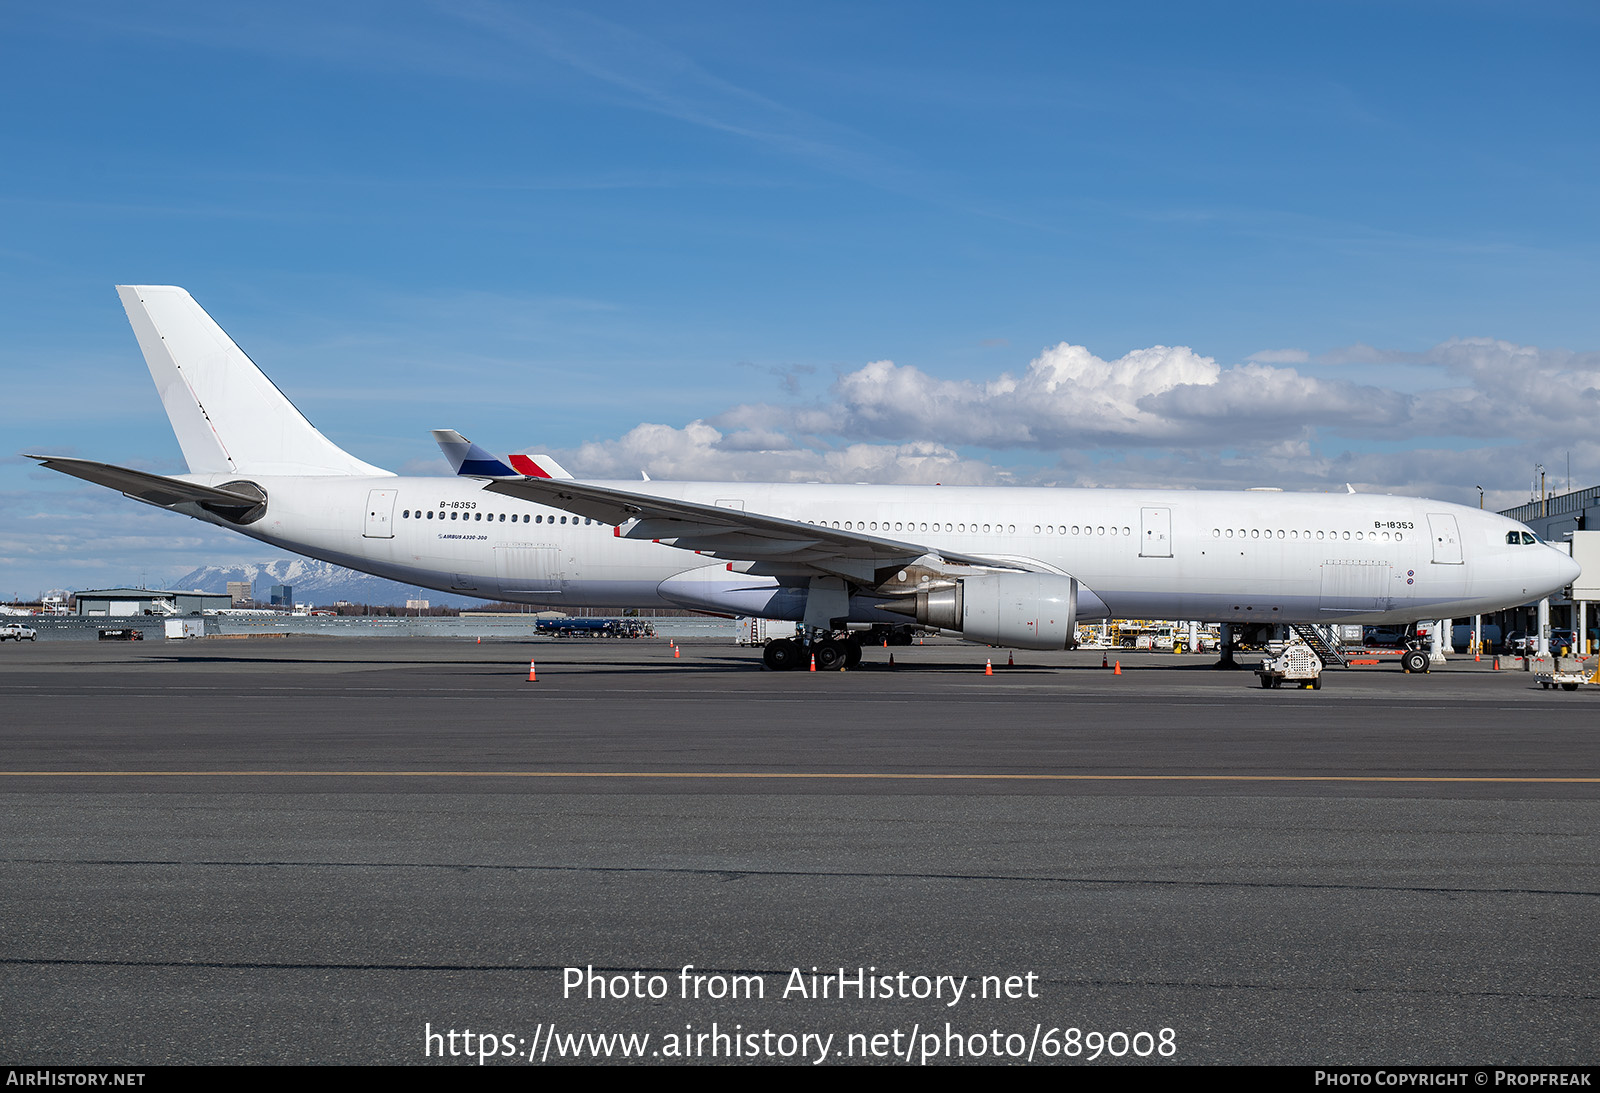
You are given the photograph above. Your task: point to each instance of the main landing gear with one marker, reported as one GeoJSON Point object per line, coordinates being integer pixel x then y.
{"type": "Point", "coordinates": [794, 654]}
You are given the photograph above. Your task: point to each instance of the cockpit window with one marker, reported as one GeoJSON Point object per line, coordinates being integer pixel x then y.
{"type": "Point", "coordinates": [1521, 538]}
{"type": "Point", "coordinates": [1529, 538]}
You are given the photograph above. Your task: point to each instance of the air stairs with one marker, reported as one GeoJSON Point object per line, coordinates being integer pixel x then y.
{"type": "Point", "coordinates": [1322, 642]}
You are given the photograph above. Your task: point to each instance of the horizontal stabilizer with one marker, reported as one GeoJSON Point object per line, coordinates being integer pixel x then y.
{"type": "Point", "coordinates": [142, 486]}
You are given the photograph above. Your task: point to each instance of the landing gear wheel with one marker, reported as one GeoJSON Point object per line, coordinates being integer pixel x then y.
{"type": "Point", "coordinates": [783, 656]}
{"type": "Point", "coordinates": [852, 654]}
{"type": "Point", "coordinates": [1415, 661]}
{"type": "Point", "coordinates": [830, 655]}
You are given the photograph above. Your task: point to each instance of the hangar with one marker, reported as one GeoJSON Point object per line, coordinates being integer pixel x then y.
{"type": "Point", "coordinates": [148, 601]}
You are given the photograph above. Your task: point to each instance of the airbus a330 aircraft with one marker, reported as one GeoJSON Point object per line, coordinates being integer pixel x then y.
{"type": "Point", "coordinates": [1014, 567]}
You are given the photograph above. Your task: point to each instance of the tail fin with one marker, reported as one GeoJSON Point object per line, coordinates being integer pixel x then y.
{"type": "Point", "coordinates": [469, 459]}
{"type": "Point", "coordinates": [229, 417]}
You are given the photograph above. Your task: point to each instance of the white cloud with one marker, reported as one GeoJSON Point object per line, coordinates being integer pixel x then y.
{"type": "Point", "coordinates": [1070, 398]}
{"type": "Point", "coordinates": [1165, 415]}
{"type": "Point", "coordinates": [700, 451]}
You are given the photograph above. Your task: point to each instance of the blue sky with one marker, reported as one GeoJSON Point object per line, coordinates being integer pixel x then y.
{"type": "Point", "coordinates": [1248, 244]}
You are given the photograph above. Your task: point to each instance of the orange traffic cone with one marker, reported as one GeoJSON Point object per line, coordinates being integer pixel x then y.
{"type": "Point", "coordinates": [533, 677]}
{"type": "Point", "coordinates": [1011, 661]}
{"type": "Point", "coordinates": [1118, 672]}
{"type": "Point", "coordinates": [988, 667]}
{"type": "Point", "coordinates": [1104, 663]}
{"type": "Point", "coordinates": [675, 654]}
{"type": "Point", "coordinates": [813, 662]}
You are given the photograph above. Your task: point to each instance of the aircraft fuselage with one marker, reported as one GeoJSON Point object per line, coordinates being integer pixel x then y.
{"type": "Point", "coordinates": [1257, 557]}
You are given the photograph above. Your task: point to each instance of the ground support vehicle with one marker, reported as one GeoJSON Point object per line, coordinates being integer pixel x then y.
{"type": "Point", "coordinates": [1568, 674]}
{"type": "Point", "coordinates": [1298, 664]}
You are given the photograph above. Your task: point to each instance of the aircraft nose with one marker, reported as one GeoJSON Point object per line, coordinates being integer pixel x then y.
{"type": "Point", "coordinates": [1569, 570]}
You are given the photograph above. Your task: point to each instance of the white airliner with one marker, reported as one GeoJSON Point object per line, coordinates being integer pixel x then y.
{"type": "Point", "coordinates": [1014, 567]}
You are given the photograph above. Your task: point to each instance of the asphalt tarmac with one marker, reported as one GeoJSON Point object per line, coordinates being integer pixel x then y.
{"type": "Point", "coordinates": [356, 851]}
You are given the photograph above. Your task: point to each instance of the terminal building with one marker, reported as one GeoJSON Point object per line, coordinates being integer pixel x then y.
{"type": "Point", "coordinates": [114, 602]}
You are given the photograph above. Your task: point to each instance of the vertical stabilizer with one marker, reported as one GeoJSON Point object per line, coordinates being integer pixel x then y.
{"type": "Point", "coordinates": [229, 417]}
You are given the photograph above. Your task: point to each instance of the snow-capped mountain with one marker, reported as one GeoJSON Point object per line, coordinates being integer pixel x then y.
{"type": "Point", "coordinates": [315, 583]}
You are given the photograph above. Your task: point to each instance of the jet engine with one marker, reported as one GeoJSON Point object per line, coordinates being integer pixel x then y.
{"type": "Point", "coordinates": [1019, 610]}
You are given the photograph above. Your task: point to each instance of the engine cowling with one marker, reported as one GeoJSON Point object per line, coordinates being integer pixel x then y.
{"type": "Point", "coordinates": [1019, 610]}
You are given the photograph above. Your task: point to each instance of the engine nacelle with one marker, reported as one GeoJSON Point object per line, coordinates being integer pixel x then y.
{"type": "Point", "coordinates": [1019, 610]}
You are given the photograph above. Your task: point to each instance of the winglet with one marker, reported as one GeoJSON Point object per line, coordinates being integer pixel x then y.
{"type": "Point", "coordinates": [469, 459]}
{"type": "Point", "coordinates": [538, 466]}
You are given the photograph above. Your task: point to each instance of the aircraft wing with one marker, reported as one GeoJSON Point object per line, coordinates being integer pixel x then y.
{"type": "Point", "coordinates": [767, 543]}
{"type": "Point", "coordinates": [155, 489]}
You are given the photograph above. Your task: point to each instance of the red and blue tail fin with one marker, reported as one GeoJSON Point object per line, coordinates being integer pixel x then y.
{"type": "Point", "coordinates": [474, 462]}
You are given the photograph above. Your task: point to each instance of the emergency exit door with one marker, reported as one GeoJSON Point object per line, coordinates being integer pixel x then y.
{"type": "Point", "coordinates": [1446, 538]}
{"type": "Point", "coordinates": [1155, 533]}
{"type": "Point", "coordinates": [380, 514]}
